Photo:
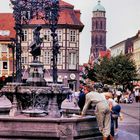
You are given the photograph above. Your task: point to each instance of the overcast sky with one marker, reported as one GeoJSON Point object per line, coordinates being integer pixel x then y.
{"type": "Point", "coordinates": [123, 21]}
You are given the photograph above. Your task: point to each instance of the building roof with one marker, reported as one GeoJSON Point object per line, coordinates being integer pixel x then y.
{"type": "Point", "coordinates": [104, 54]}
{"type": "Point", "coordinates": [124, 41]}
{"type": "Point", "coordinates": [67, 16]}
{"type": "Point", "coordinates": [65, 4]}
{"type": "Point", "coordinates": [99, 7]}
{"type": "Point", "coordinates": [6, 26]}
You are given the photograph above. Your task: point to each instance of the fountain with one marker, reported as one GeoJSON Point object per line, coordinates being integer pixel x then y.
{"type": "Point", "coordinates": [36, 106]}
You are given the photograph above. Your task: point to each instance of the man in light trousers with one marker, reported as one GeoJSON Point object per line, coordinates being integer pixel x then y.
{"type": "Point", "coordinates": [102, 111]}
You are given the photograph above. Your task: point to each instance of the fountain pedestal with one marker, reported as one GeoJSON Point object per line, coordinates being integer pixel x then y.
{"type": "Point", "coordinates": [35, 97]}
{"type": "Point", "coordinates": [25, 128]}
{"type": "Point", "coordinates": [36, 112]}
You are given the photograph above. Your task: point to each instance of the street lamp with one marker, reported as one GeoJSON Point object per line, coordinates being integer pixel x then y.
{"type": "Point", "coordinates": [24, 11]}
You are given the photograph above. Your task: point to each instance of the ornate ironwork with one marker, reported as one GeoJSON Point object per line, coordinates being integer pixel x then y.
{"type": "Point", "coordinates": [24, 11]}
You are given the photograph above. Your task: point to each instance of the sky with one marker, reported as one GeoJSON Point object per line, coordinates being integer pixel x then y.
{"type": "Point", "coordinates": [123, 21]}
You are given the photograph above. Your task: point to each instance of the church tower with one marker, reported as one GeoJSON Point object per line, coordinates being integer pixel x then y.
{"type": "Point", "coordinates": [98, 33]}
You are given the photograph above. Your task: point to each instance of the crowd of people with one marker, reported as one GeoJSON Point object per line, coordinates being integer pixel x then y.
{"type": "Point", "coordinates": [106, 105]}
{"type": "Point", "coordinates": [106, 109]}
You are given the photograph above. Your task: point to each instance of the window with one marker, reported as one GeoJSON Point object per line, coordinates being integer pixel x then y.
{"type": "Point", "coordinates": [101, 40]}
{"type": "Point", "coordinates": [72, 35]}
{"type": "Point", "coordinates": [96, 40]}
{"type": "Point", "coordinates": [4, 48]}
{"type": "Point", "coordinates": [47, 35]}
{"type": "Point", "coordinates": [25, 35]}
{"type": "Point", "coordinates": [59, 34]}
{"type": "Point", "coordinates": [101, 25]}
{"type": "Point", "coordinates": [96, 24]}
{"type": "Point", "coordinates": [5, 66]}
{"type": "Point", "coordinates": [24, 60]}
{"type": "Point", "coordinates": [47, 57]}
{"type": "Point", "coordinates": [72, 60]}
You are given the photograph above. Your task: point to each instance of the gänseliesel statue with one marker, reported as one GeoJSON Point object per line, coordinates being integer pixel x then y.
{"type": "Point", "coordinates": [37, 41]}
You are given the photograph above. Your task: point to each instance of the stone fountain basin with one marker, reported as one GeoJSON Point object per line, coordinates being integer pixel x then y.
{"type": "Point", "coordinates": [25, 128]}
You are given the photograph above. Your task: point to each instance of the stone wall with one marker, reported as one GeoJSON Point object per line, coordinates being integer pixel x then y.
{"type": "Point", "coordinates": [25, 128]}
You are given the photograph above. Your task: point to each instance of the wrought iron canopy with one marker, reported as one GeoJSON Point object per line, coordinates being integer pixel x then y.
{"type": "Point", "coordinates": [26, 10]}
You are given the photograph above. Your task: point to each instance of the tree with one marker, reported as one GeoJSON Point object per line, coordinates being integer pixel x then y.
{"type": "Point", "coordinates": [103, 71]}
{"type": "Point", "coordinates": [123, 69]}
{"type": "Point", "coordinates": [119, 70]}
{"type": "Point", "coordinates": [89, 73]}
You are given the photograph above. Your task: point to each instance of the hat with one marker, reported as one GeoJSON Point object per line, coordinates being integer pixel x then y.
{"type": "Point", "coordinates": [108, 94]}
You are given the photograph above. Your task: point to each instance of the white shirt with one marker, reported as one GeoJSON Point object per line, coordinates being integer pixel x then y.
{"type": "Point", "coordinates": [136, 93]}
{"type": "Point", "coordinates": [110, 100]}
{"type": "Point", "coordinates": [118, 93]}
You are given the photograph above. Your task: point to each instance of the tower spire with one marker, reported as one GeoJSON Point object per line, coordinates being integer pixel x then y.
{"type": "Point", "coordinates": [98, 33]}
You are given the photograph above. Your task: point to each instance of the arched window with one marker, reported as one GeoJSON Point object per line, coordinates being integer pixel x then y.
{"type": "Point", "coordinates": [104, 40]}
{"type": "Point", "coordinates": [101, 25]}
{"type": "Point", "coordinates": [96, 40]}
{"type": "Point", "coordinates": [96, 24]}
{"type": "Point", "coordinates": [101, 40]}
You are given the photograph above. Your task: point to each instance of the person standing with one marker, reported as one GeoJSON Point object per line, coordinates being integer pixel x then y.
{"type": "Point", "coordinates": [115, 112]}
{"type": "Point", "coordinates": [136, 93]}
{"type": "Point", "coordinates": [81, 99]}
{"type": "Point", "coordinates": [102, 111]}
{"type": "Point", "coordinates": [118, 94]}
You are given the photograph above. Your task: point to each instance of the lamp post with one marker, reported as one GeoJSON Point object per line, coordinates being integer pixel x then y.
{"type": "Point", "coordinates": [24, 11]}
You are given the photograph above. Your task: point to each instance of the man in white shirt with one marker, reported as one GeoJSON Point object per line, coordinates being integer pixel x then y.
{"type": "Point", "coordinates": [119, 94]}
{"type": "Point", "coordinates": [136, 93]}
{"type": "Point", "coordinates": [102, 109]}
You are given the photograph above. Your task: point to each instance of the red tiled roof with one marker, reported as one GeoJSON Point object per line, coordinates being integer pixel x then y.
{"type": "Point", "coordinates": [67, 16]}
{"type": "Point", "coordinates": [7, 24]}
{"type": "Point", "coordinates": [104, 53]}
{"type": "Point", "coordinates": [65, 4]}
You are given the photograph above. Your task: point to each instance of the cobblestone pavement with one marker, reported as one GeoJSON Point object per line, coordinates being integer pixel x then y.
{"type": "Point", "coordinates": [129, 127]}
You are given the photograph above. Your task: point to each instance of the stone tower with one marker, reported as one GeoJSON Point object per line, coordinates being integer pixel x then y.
{"type": "Point", "coordinates": [98, 33]}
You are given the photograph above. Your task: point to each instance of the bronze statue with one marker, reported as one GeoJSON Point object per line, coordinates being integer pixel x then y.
{"type": "Point", "coordinates": [37, 41]}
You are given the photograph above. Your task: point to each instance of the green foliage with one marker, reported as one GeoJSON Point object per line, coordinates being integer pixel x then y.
{"type": "Point", "coordinates": [119, 70]}
{"type": "Point", "coordinates": [123, 69]}
{"type": "Point", "coordinates": [103, 71]}
{"type": "Point", "coordinates": [90, 73]}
